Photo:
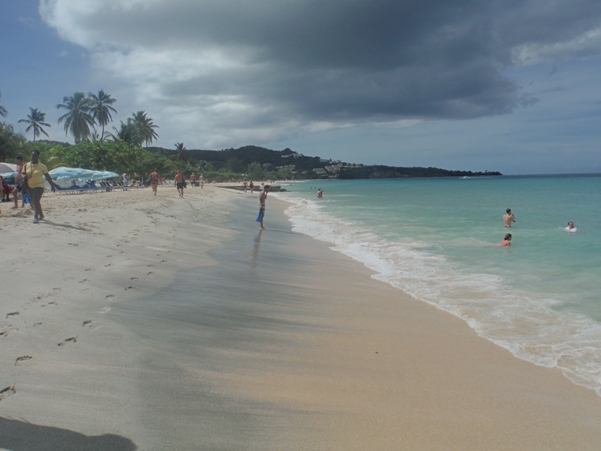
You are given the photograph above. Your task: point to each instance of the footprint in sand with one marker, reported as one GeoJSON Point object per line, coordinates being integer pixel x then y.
{"type": "Point", "coordinates": [4, 333]}
{"type": "Point", "coordinates": [66, 341]}
{"type": "Point", "coordinates": [88, 323]}
{"type": "Point", "coordinates": [129, 288]}
{"type": "Point", "coordinates": [104, 310]}
{"type": "Point", "coordinates": [84, 280]}
{"type": "Point", "coordinates": [13, 314]}
{"type": "Point", "coordinates": [110, 296]}
{"type": "Point", "coordinates": [73, 244]}
{"type": "Point", "coordinates": [8, 391]}
{"type": "Point", "coordinates": [134, 278]}
{"type": "Point", "coordinates": [23, 358]}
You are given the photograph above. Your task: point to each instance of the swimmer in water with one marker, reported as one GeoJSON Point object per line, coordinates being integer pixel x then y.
{"type": "Point", "coordinates": [507, 240]}
{"type": "Point", "coordinates": [508, 218]}
{"type": "Point", "coordinates": [571, 227]}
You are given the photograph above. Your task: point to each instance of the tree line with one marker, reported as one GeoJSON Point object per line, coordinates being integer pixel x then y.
{"type": "Point", "coordinates": [86, 118]}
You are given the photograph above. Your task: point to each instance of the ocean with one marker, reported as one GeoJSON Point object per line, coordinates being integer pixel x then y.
{"type": "Point", "coordinates": [437, 240]}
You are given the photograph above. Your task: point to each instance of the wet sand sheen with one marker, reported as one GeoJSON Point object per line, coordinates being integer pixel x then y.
{"type": "Point", "coordinates": [286, 344]}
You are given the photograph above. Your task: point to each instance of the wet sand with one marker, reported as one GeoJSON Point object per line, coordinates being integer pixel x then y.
{"type": "Point", "coordinates": [204, 333]}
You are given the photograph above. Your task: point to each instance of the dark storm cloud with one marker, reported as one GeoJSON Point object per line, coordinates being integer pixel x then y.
{"type": "Point", "coordinates": [353, 61]}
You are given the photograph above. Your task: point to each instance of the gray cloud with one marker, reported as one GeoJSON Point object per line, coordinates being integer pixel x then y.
{"type": "Point", "coordinates": [341, 61]}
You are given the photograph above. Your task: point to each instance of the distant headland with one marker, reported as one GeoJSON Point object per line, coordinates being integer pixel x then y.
{"type": "Point", "coordinates": [300, 166]}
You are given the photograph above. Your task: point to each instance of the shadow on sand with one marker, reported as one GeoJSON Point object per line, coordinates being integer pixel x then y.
{"type": "Point", "coordinates": [65, 226]}
{"type": "Point", "coordinates": [18, 435]}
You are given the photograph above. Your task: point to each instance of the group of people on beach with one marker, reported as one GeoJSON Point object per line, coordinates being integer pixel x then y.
{"type": "Point", "coordinates": [154, 178]}
{"type": "Point", "coordinates": [248, 186]}
{"type": "Point", "coordinates": [509, 218]}
{"type": "Point", "coordinates": [29, 183]}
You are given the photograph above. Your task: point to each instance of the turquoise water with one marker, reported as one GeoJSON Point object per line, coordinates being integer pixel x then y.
{"type": "Point", "coordinates": [437, 240]}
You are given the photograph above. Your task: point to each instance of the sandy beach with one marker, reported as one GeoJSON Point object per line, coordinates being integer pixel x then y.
{"type": "Point", "coordinates": [137, 322]}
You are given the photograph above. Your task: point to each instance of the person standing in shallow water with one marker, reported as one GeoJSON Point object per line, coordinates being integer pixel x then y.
{"type": "Point", "coordinates": [508, 218]}
{"type": "Point", "coordinates": [262, 199]}
{"type": "Point", "coordinates": [34, 173]}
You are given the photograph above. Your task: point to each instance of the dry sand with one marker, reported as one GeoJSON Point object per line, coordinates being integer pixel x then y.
{"type": "Point", "coordinates": [134, 322]}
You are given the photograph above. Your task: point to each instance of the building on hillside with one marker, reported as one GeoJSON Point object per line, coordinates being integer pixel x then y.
{"type": "Point", "coordinates": [319, 171]}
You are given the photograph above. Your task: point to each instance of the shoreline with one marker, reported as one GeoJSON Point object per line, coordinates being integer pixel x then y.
{"type": "Point", "coordinates": [251, 340]}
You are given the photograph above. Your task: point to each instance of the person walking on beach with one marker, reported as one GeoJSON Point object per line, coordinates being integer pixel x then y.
{"type": "Point", "coordinates": [508, 218]}
{"type": "Point", "coordinates": [179, 183]}
{"type": "Point", "coordinates": [202, 181]}
{"type": "Point", "coordinates": [154, 181]}
{"type": "Point", "coordinates": [262, 199]}
{"type": "Point", "coordinates": [193, 180]}
{"type": "Point", "coordinates": [19, 183]}
{"type": "Point", "coordinates": [34, 173]}
{"type": "Point", "coordinates": [251, 186]}
{"type": "Point", "coordinates": [245, 183]}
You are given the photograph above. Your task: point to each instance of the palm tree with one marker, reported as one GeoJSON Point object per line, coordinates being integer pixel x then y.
{"type": "Point", "coordinates": [36, 119]}
{"type": "Point", "coordinates": [3, 111]}
{"type": "Point", "coordinates": [78, 119]}
{"type": "Point", "coordinates": [11, 142]}
{"type": "Point", "coordinates": [101, 109]}
{"type": "Point", "coordinates": [145, 127]}
{"type": "Point", "coordinates": [180, 152]}
{"type": "Point", "coordinates": [128, 132]}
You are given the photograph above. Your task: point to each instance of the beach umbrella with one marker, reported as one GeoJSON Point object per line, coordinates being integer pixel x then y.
{"type": "Point", "coordinates": [9, 176]}
{"type": "Point", "coordinates": [7, 167]}
{"type": "Point", "coordinates": [103, 175]}
{"type": "Point", "coordinates": [63, 173]}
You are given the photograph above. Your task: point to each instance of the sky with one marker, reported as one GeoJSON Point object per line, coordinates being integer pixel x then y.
{"type": "Point", "coordinates": [499, 85]}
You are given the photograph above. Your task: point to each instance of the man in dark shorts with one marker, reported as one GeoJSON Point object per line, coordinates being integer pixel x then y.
{"type": "Point", "coordinates": [180, 183]}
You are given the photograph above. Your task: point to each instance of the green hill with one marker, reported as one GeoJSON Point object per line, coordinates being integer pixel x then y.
{"type": "Point", "coordinates": [237, 160]}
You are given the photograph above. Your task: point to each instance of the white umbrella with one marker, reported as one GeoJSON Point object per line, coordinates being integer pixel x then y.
{"type": "Point", "coordinates": [63, 173]}
{"type": "Point", "coordinates": [7, 167]}
{"type": "Point", "coordinates": [103, 175]}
